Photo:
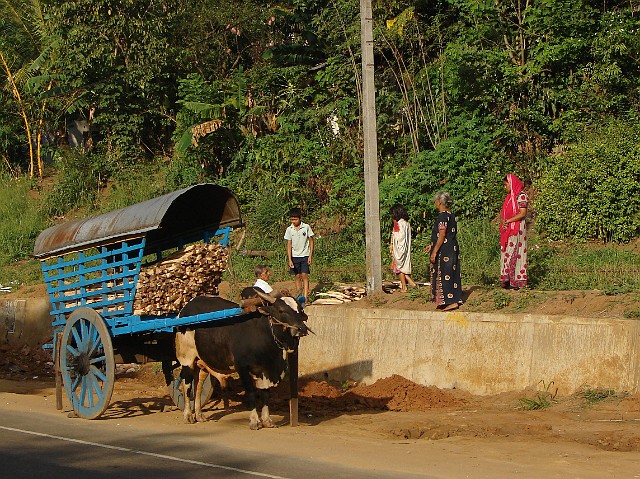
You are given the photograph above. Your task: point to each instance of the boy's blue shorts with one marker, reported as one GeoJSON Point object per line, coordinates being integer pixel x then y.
{"type": "Point", "coordinates": [300, 265]}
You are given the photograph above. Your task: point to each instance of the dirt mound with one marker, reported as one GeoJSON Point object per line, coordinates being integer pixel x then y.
{"type": "Point", "coordinates": [399, 394]}
{"type": "Point", "coordinates": [394, 393]}
{"type": "Point", "coordinates": [25, 362]}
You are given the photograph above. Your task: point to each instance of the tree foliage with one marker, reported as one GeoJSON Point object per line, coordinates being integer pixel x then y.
{"type": "Point", "coordinates": [265, 97]}
{"type": "Point", "coordinates": [593, 191]}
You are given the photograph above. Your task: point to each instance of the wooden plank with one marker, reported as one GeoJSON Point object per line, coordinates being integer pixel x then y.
{"type": "Point", "coordinates": [293, 385]}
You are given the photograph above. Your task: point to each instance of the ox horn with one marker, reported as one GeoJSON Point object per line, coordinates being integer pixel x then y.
{"type": "Point", "coordinates": [250, 303]}
{"type": "Point", "coordinates": [267, 297]}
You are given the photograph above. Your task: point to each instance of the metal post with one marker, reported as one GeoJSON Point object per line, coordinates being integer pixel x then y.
{"type": "Point", "coordinates": [371, 193]}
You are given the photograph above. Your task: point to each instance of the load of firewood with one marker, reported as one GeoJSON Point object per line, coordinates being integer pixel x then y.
{"type": "Point", "coordinates": [167, 286]}
{"type": "Point", "coordinates": [343, 294]}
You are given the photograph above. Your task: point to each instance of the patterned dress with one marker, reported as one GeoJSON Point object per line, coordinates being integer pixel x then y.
{"type": "Point", "coordinates": [513, 256]}
{"type": "Point", "coordinates": [446, 287]}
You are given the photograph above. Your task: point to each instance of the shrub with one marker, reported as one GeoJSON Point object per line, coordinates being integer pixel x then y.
{"type": "Point", "coordinates": [80, 175]}
{"type": "Point", "coordinates": [593, 190]}
{"type": "Point", "coordinates": [466, 164]}
{"type": "Point", "coordinates": [21, 222]}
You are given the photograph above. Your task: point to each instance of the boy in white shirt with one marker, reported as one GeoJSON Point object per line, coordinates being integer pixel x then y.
{"type": "Point", "coordinates": [299, 238]}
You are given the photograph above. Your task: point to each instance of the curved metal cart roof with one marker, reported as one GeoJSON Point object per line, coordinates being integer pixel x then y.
{"type": "Point", "coordinates": [170, 220]}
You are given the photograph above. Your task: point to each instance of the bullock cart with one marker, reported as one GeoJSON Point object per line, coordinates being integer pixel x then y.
{"type": "Point", "coordinates": [91, 268]}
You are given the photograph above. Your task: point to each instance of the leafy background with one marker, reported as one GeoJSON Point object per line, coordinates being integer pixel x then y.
{"type": "Point", "coordinates": [264, 97]}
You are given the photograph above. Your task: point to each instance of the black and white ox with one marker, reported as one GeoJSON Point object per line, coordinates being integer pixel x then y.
{"type": "Point", "coordinates": [255, 345]}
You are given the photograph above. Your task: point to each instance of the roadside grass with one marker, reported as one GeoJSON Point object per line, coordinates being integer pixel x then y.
{"type": "Point", "coordinates": [592, 396]}
{"type": "Point", "coordinates": [613, 269]}
{"type": "Point", "coordinates": [632, 313]}
{"type": "Point", "coordinates": [543, 398]}
{"type": "Point", "coordinates": [20, 224]}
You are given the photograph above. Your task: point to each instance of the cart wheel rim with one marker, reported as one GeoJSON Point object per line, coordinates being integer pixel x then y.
{"type": "Point", "coordinates": [87, 363]}
{"type": "Point", "coordinates": [175, 391]}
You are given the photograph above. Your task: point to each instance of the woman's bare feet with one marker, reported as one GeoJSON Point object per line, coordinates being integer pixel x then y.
{"type": "Point", "coordinates": [451, 307]}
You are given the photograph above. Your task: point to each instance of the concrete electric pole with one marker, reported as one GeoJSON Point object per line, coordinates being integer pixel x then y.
{"type": "Point", "coordinates": [371, 193]}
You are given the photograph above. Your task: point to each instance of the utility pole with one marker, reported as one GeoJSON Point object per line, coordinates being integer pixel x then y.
{"type": "Point", "coordinates": [371, 192]}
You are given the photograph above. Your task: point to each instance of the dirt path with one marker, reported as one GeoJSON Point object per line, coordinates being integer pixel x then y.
{"type": "Point", "coordinates": [446, 433]}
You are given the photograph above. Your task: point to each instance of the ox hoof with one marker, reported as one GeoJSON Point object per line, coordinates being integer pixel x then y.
{"type": "Point", "coordinates": [201, 418]}
{"type": "Point", "coordinates": [190, 419]}
{"type": "Point", "coordinates": [268, 424]}
{"type": "Point", "coordinates": [254, 426]}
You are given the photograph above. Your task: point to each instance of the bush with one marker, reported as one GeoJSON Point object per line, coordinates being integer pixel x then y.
{"type": "Point", "coordinates": [80, 175]}
{"type": "Point", "coordinates": [20, 223]}
{"type": "Point", "coordinates": [479, 252]}
{"type": "Point", "coordinates": [593, 190]}
{"type": "Point", "coordinates": [467, 165]}
{"type": "Point", "coordinates": [134, 185]}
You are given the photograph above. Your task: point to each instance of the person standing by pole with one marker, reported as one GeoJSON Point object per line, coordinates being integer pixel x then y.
{"type": "Point", "coordinates": [400, 246]}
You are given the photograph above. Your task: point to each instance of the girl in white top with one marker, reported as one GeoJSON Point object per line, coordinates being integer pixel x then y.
{"type": "Point", "coordinates": [400, 246]}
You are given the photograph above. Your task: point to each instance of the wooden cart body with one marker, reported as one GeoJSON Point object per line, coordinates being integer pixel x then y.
{"type": "Point", "coordinates": [91, 270]}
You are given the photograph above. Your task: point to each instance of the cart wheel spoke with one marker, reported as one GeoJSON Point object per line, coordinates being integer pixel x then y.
{"type": "Point", "coordinates": [98, 359]}
{"type": "Point", "coordinates": [95, 385]}
{"type": "Point", "coordinates": [77, 338]}
{"type": "Point", "coordinates": [97, 373]}
{"type": "Point", "coordinates": [84, 335]}
{"type": "Point", "coordinates": [88, 365]}
{"type": "Point", "coordinates": [76, 382]}
{"type": "Point", "coordinates": [83, 390]}
{"type": "Point", "coordinates": [73, 350]}
{"type": "Point", "coordinates": [95, 343]}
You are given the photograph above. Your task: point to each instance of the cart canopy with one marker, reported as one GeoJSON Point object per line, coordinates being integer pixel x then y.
{"type": "Point", "coordinates": [171, 220]}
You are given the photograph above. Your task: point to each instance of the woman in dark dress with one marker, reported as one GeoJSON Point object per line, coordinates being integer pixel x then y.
{"type": "Point", "coordinates": [446, 287]}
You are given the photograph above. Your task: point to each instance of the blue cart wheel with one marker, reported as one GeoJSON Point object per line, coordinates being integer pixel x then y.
{"type": "Point", "coordinates": [87, 363]}
{"type": "Point", "coordinates": [175, 391]}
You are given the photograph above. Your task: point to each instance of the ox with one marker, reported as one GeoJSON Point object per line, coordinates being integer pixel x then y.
{"type": "Point", "coordinates": [254, 345]}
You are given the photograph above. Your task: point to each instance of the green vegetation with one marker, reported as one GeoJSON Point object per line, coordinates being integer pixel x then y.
{"type": "Point", "coordinates": [20, 224]}
{"type": "Point", "coordinates": [543, 398]}
{"type": "Point", "coordinates": [632, 313]}
{"type": "Point", "coordinates": [501, 299]}
{"type": "Point", "coordinates": [593, 396]}
{"type": "Point", "coordinates": [264, 98]}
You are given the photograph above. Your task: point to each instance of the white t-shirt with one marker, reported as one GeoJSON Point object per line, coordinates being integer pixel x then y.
{"type": "Point", "coordinates": [263, 285]}
{"type": "Point", "coordinates": [299, 239]}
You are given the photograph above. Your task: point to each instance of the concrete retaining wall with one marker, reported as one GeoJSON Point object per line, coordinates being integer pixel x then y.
{"type": "Point", "coordinates": [480, 353]}
{"type": "Point", "coordinates": [24, 321]}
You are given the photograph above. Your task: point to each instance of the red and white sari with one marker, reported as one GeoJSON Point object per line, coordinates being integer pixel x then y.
{"type": "Point", "coordinates": [513, 239]}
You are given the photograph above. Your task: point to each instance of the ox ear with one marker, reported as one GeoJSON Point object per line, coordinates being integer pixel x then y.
{"type": "Point", "coordinates": [266, 297]}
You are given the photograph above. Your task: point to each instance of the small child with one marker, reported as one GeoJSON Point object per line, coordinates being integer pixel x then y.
{"type": "Point", "coordinates": [299, 238]}
{"type": "Point", "coordinates": [400, 246]}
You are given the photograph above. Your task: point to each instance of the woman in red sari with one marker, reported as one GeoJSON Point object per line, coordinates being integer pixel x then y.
{"type": "Point", "coordinates": [513, 235]}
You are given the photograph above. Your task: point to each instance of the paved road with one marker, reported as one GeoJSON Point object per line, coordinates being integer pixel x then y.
{"type": "Point", "coordinates": [56, 447]}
